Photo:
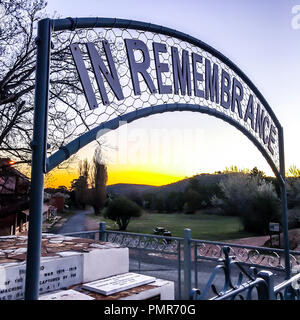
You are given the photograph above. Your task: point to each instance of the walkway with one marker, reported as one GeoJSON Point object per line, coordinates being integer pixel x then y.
{"type": "Point", "coordinates": [76, 223]}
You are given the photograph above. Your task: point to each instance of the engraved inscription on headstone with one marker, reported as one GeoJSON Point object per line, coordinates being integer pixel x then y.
{"type": "Point", "coordinates": [66, 295]}
{"type": "Point", "coordinates": [118, 283]}
{"type": "Point", "coordinates": [55, 273]}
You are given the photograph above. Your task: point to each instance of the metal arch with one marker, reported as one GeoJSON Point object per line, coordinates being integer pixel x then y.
{"type": "Point", "coordinates": [71, 148]}
{"type": "Point", "coordinates": [79, 23]}
{"type": "Point", "coordinates": [98, 22]}
{"type": "Point", "coordinates": [39, 143]}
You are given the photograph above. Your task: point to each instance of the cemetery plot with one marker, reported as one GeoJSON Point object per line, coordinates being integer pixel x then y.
{"type": "Point", "coordinates": [66, 261]}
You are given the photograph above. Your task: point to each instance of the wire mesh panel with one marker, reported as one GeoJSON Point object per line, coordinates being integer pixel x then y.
{"type": "Point", "coordinates": [126, 70]}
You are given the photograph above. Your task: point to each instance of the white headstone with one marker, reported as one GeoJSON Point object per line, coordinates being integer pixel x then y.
{"type": "Point", "coordinates": [66, 295]}
{"type": "Point", "coordinates": [162, 289]}
{"type": "Point", "coordinates": [64, 268]}
{"type": "Point", "coordinates": [55, 273]}
{"type": "Point", "coordinates": [118, 283]}
{"type": "Point", "coordinates": [103, 263]}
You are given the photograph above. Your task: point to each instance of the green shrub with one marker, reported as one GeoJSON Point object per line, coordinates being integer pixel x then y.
{"type": "Point", "coordinates": [294, 217]}
{"type": "Point", "coordinates": [192, 201]}
{"type": "Point", "coordinates": [293, 192]}
{"type": "Point", "coordinates": [251, 198]}
{"type": "Point", "coordinates": [264, 208]}
{"type": "Point", "coordinates": [174, 201]}
{"type": "Point", "coordinates": [238, 190]}
{"type": "Point", "coordinates": [205, 192]}
{"type": "Point", "coordinates": [121, 210]}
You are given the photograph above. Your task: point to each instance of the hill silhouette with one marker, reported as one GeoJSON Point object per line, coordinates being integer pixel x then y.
{"type": "Point", "coordinates": [127, 188]}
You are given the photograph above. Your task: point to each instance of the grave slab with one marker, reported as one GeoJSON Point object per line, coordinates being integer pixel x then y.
{"type": "Point", "coordinates": [66, 295]}
{"type": "Point", "coordinates": [118, 283]}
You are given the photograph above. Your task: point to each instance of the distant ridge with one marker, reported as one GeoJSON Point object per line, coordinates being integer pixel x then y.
{"type": "Point", "coordinates": [127, 188]}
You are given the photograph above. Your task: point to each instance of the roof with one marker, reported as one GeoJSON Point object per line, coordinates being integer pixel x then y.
{"type": "Point", "coordinates": [15, 172]}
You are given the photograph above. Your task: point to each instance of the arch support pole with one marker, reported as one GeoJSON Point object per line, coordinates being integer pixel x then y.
{"type": "Point", "coordinates": [284, 207]}
{"type": "Point", "coordinates": [39, 145]}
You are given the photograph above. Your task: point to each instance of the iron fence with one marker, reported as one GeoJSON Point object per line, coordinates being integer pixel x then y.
{"type": "Point", "coordinates": [251, 256]}
{"type": "Point", "coordinates": [258, 285]}
{"type": "Point", "coordinates": [141, 245]}
{"type": "Point", "coordinates": [186, 254]}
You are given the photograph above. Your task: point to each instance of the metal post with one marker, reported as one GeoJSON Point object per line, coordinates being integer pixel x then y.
{"type": "Point", "coordinates": [187, 264]}
{"type": "Point", "coordinates": [179, 268]}
{"type": "Point", "coordinates": [284, 207]}
{"type": "Point", "coordinates": [285, 232]}
{"type": "Point", "coordinates": [139, 259]}
{"type": "Point", "coordinates": [38, 145]}
{"type": "Point", "coordinates": [268, 292]}
{"type": "Point", "coordinates": [196, 265]}
{"type": "Point", "coordinates": [102, 228]}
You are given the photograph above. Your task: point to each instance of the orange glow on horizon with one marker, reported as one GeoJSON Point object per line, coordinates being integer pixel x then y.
{"type": "Point", "coordinates": [141, 177]}
{"type": "Point", "coordinates": [115, 176]}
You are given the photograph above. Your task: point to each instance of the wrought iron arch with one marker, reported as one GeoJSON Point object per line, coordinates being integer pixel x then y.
{"type": "Point", "coordinates": [240, 82]}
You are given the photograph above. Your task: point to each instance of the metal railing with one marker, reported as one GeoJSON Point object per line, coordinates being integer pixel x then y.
{"type": "Point", "coordinates": [289, 289]}
{"type": "Point", "coordinates": [258, 285]}
{"type": "Point", "coordinates": [251, 256]}
{"type": "Point", "coordinates": [189, 252]}
{"type": "Point", "coordinates": [266, 257]}
{"type": "Point", "coordinates": [142, 243]}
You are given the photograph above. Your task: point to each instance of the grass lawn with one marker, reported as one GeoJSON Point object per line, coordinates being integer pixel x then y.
{"type": "Point", "coordinates": [203, 226]}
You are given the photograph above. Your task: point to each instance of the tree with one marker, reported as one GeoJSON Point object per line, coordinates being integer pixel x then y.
{"type": "Point", "coordinates": [159, 203]}
{"type": "Point", "coordinates": [257, 173]}
{"type": "Point", "coordinates": [238, 190]}
{"type": "Point", "coordinates": [149, 200]}
{"type": "Point", "coordinates": [254, 200]}
{"type": "Point", "coordinates": [235, 169]}
{"type": "Point", "coordinates": [192, 201]}
{"type": "Point", "coordinates": [84, 170]}
{"type": "Point", "coordinates": [201, 193]}
{"type": "Point", "coordinates": [90, 187]}
{"type": "Point", "coordinates": [98, 182]}
{"type": "Point", "coordinates": [174, 201]}
{"type": "Point", "coordinates": [78, 191]}
{"type": "Point", "coordinates": [136, 197]}
{"type": "Point", "coordinates": [121, 210]}
{"type": "Point", "coordinates": [294, 171]}
{"type": "Point", "coordinates": [67, 115]}
{"type": "Point", "coordinates": [17, 67]}
{"type": "Point", "coordinates": [264, 208]}
{"type": "Point", "coordinates": [79, 187]}
{"type": "Point", "coordinates": [293, 192]}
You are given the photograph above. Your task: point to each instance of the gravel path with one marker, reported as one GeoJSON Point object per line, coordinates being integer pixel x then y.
{"type": "Point", "coordinates": [76, 223]}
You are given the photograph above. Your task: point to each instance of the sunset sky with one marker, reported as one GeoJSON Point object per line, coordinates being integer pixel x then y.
{"type": "Point", "coordinates": [257, 35]}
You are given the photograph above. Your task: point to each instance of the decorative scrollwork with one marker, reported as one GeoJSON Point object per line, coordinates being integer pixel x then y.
{"type": "Point", "coordinates": [273, 259]}
{"type": "Point", "coordinates": [241, 254]}
{"type": "Point", "coordinates": [209, 250]}
{"type": "Point", "coordinates": [255, 257]}
{"type": "Point", "coordinates": [254, 286]}
{"type": "Point", "coordinates": [257, 285]}
{"type": "Point", "coordinates": [164, 245]}
{"type": "Point", "coordinates": [294, 261]}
